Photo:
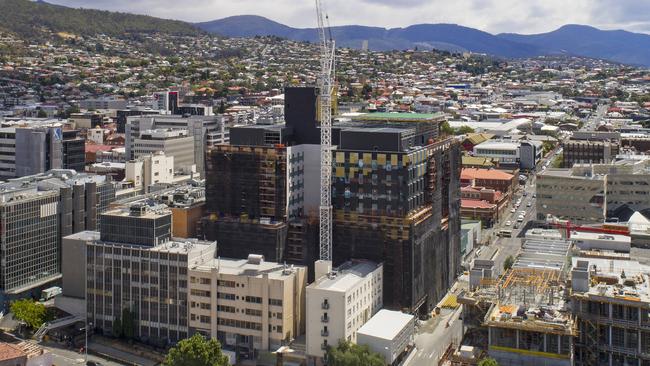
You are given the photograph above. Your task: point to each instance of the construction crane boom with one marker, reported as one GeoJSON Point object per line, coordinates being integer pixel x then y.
{"type": "Point", "coordinates": [325, 85]}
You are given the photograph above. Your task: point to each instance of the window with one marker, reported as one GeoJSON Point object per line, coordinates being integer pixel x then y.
{"type": "Point", "coordinates": [275, 302]}
{"type": "Point", "coordinates": [200, 293]}
{"type": "Point", "coordinates": [279, 329]}
{"type": "Point", "coordinates": [226, 283]}
{"type": "Point", "coordinates": [225, 296]}
{"type": "Point", "coordinates": [254, 299]}
{"type": "Point", "coordinates": [205, 281]}
{"type": "Point", "coordinates": [205, 319]}
{"type": "Point", "coordinates": [278, 315]}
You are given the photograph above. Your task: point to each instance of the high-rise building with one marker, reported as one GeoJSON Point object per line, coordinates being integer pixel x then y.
{"type": "Point", "coordinates": [57, 204]}
{"type": "Point", "coordinates": [396, 200]}
{"type": "Point", "coordinates": [35, 149]}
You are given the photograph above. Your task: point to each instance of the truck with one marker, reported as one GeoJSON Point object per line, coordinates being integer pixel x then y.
{"type": "Point", "coordinates": [50, 293]}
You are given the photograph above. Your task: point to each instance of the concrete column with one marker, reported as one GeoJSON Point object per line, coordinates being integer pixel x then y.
{"type": "Point", "coordinates": [559, 343]}
{"type": "Point", "coordinates": [265, 312]}
{"type": "Point", "coordinates": [517, 343]}
{"type": "Point", "coordinates": [214, 280]}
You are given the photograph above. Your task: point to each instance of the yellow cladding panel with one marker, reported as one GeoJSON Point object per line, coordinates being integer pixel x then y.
{"type": "Point", "coordinates": [367, 158]}
{"type": "Point", "coordinates": [381, 159]}
{"type": "Point", "coordinates": [340, 157]}
{"type": "Point", "coordinates": [353, 172]}
{"type": "Point", "coordinates": [393, 159]}
{"type": "Point", "coordinates": [354, 158]}
{"type": "Point", "coordinates": [407, 159]}
{"type": "Point", "coordinates": [340, 172]}
{"type": "Point", "coordinates": [367, 171]}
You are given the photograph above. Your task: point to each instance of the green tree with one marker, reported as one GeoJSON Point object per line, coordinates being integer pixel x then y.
{"type": "Point", "coordinates": [507, 264]}
{"type": "Point", "coordinates": [128, 324]}
{"type": "Point", "coordinates": [33, 313]}
{"type": "Point", "coordinates": [196, 351]}
{"type": "Point", "coordinates": [488, 362]}
{"type": "Point", "coordinates": [445, 129]}
{"type": "Point", "coordinates": [464, 130]}
{"type": "Point", "coordinates": [350, 354]}
{"type": "Point", "coordinates": [41, 114]}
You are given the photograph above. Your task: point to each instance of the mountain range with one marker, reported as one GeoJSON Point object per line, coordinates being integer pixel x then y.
{"type": "Point", "coordinates": [576, 40]}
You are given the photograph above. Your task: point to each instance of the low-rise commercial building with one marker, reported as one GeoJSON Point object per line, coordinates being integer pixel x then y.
{"type": "Point", "coordinates": [389, 333]}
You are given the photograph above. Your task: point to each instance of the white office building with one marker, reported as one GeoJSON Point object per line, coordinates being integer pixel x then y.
{"type": "Point", "coordinates": [340, 303]}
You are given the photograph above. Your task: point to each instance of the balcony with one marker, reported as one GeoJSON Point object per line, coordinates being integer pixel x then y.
{"type": "Point", "coordinates": [324, 346]}
{"type": "Point", "coordinates": [325, 305]}
{"type": "Point", "coordinates": [324, 333]}
{"type": "Point", "coordinates": [324, 319]}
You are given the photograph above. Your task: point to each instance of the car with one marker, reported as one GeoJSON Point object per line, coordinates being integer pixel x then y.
{"type": "Point", "coordinates": [525, 194]}
{"type": "Point", "coordinates": [508, 223]}
{"type": "Point", "coordinates": [529, 204]}
{"type": "Point", "coordinates": [513, 210]}
{"type": "Point", "coordinates": [534, 195]}
{"type": "Point", "coordinates": [516, 225]}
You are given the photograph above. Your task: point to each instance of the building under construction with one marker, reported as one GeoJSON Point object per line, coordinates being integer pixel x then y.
{"type": "Point", "coordinates": [522, 317]}
{"type": "Point", "coordinates": [611, 301]}
{"type": "Point", "coordinates": [395, 195]}
{"type": "Point", "coordinates": [396, 200]}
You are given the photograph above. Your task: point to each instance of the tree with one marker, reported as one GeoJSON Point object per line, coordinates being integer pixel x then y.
{"type": "Point", "coordinates": [464, 130]}
{"type": "Point", "coordinates": [488, 362]}
{"type": "Point", "coordinates": [128, 324]}
{"type": "Point", "coordinates": [196, 351]}
{"type": "Point", "coordinates": [446, 129]}
{"type": "Point", "coordinates": [41, 114]}
{"type": "Point", "coordinates": [507, 264]}
{"type": "Point", "coordinates": [350, 354]}
{"type": "Point", "coordinates": [33, 313]}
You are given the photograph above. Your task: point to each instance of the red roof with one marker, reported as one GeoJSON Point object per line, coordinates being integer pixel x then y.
{"type": "Point", "coordinates": [90, 148]}
{"type": "Point", "coordinates": [477, 173]}
{"type": "Point", "coordinates": [469, 203]}
{"type": "Point", "coordinates": [9, 352]}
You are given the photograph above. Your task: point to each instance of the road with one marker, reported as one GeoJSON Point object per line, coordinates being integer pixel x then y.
{"type": "Point", "coordinates": [434, 337]}
{"type": "Point", "coordinates": [66, 357]}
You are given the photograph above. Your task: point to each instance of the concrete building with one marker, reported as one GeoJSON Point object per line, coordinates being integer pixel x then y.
{"type": "Point", "coordinates": [148, 170]}
{"type": "Point", "coordinates": [523, 154]}
{"type": "Point", "coordinates": [588, 152]}
{"type": "Point", "coordinates": [340, 303]}
{"type": "Point", "coordinates": [249, 305]}
{"type": "Point", "coordinates": [610, 301]}
{"type": "Point", "coordinates": [102, 103]}
{"type": "Point", "coordinates": [173, 143]}
{"type": "Point", "coordinates": [206, 131]}
{"type": "Point", "coordinates": [389, 333]}
{"type": "Point", "coordinates": [34, 148]}
{"type": "Point", "coordinates": [86, 120]}
{"type": "Point", "coordinates": [603, 242]}
{"type": "Point", "coordinates": [31, 233]}
{"type": "Point", "coordinates": [591, 193]}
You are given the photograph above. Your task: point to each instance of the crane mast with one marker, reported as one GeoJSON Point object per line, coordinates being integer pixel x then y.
{"type": "Point", "coordinates": [326, 87]}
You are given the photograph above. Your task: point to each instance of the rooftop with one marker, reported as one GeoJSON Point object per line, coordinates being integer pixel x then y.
{"type": "Point", "coordinates": [399, 117]}
{"type": "Point", "coordinates": [10, 352]}
{"type": "Point", "coordinates": [478, 173]}
{"type": "Point", "coordinates": [346, 276]}
{"type": "Point", "coordinates": [254, 266]}
{"type": "Point", "coordinates": [386, 324]}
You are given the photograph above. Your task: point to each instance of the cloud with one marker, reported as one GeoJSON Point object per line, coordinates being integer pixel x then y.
{"type": "Point", "coordinates": [494, 16]}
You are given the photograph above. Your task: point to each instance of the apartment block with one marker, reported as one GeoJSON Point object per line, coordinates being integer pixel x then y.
{"type": "Point", "coordinates": [249, 305]}
{"type": "Point", "coordinates": [340, 303]}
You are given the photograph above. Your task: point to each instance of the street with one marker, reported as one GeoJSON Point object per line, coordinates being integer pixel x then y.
{"type": "Point", "coordinates": [433, 337]}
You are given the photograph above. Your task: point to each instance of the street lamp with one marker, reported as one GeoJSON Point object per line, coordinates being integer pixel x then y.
{"type": "Point", "coordinates": [88, 324]}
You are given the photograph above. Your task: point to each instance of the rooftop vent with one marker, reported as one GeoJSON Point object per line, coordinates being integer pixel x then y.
{"type": "Point", "coordinates": [255, 259]}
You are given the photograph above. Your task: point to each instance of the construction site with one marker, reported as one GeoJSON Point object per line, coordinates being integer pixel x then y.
{"type": "Point", "coordinates": [523, 317]}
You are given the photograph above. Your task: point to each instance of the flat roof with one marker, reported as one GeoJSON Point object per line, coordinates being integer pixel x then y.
{"type": "Point", "coordinates": [581, 235]}
{"type": "Point", "coordinates": [245, 267]}
{"type": "Point", "coordinates": [347, 276]}
{"type": "Point", "coordinates": [386, 324]}
{"type": "Point", "coordinates": [398, 117]}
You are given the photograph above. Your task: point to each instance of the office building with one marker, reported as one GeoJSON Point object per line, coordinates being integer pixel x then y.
{"type": "Point", "coordinates": [37, 148]}
{"type": "Point", "coordinates": [58, 203]}
{"type": "Point", "coordinates": [588, 152]}
{"type": "Point", "coordinates": [591, 193]}
{"type": "Point", "coordinates": [340, 303]}
{"type": "Point", "coordinates": [205, 131]}
{"type": "Point", "coordinates": [149, 170]}
{"type": "Point", "coordinates": [173, 143]}
{"type": "Point", "coordinates": [249, 305]}
{"type": "Point", "coordinates": [86, 120]}
{"type": "Point", "coordinates": [102, 103]}
{"type": "Point", "coordinates": [30, 247]}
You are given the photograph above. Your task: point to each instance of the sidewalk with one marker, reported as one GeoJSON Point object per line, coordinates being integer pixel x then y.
{"type": "Point", "coordinates": [123, 357]}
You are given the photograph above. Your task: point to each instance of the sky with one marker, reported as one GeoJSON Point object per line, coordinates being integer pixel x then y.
{"type": "Point", "coordinates": [494, 16]}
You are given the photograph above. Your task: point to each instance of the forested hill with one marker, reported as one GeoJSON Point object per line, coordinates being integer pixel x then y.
{"type": "Point", "coordinates": [28, 19]}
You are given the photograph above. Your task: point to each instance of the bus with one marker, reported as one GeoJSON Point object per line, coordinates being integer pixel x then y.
{"type": "Point", "coordinates": [505, 233]}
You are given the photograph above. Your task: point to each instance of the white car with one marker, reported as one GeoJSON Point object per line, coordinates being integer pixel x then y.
{"type": "Point", "coordinates": [513, 210]}
{"type": "Point", "coordinates": [529, 204]}
{"type": "Point", "coordinates": [508, 223]}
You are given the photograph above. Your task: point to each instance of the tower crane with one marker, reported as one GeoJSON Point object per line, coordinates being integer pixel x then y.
{"type": "Point", "coordinates": [326, 87]}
